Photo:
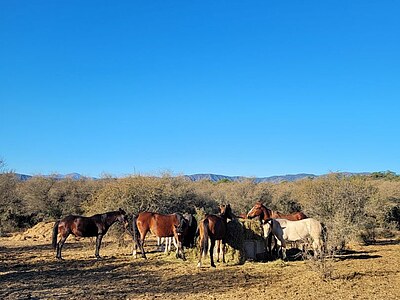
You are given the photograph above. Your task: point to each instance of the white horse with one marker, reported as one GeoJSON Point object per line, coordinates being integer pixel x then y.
{"type": "Point", "coordinates": [293, 231]}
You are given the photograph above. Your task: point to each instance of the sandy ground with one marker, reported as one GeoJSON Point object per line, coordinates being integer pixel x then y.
{"type": "Point", "coordinates": [29, 270]}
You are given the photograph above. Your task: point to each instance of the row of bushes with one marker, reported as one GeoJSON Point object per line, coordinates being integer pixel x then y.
{"type": "Point", "coordinates": [350, 207]}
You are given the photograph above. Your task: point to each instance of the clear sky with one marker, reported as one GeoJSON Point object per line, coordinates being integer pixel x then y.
{"type": "Point", "coordinates": [252, 88]}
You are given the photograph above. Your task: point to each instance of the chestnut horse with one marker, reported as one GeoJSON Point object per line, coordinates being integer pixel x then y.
{"type": "Point", "coordinates": [214, 227]}
{"type": "Point", "coordinates": [80, 226]}
{"type": "Point", "coordinates": [264, 213]}
{"type": "Point", "coordinates": [173, 225]}
{"type": "Point", "coordinates": [259, 210]}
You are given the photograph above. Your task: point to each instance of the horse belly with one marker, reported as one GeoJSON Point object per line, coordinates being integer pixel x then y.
{"type": "Point", "coordinates": [295, 233]}
{"type": "Point", "coordinates": [84, 228]}
{"type": "Point", "coordinates": [162, 226]}
{"type": "Point", "coordinates": [162, 232]}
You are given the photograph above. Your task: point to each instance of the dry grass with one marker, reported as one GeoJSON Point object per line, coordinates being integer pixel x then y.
{"type": "Point", "coordinates": [28, 269]}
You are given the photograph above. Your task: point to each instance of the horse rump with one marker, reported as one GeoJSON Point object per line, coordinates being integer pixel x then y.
{"type": "Point", "coordinates": [55, 233]}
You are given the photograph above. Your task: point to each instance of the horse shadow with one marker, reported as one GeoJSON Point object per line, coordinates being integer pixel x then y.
{"type": "Point", "coordinates": [352, 254]}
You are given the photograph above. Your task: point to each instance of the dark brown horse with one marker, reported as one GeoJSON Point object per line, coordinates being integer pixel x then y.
{"type": "Point", "coordinates": [259, 210]}
{"type": "Point", "coordinates": [214, 227]}
{"type": "Point", "coordinates": [173, 225]}
{"type": "Point", "coordinates": [80, 226]}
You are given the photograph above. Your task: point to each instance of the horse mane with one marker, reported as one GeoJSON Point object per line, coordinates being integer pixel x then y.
{"type": "Point", "coordinates": [266, 211]}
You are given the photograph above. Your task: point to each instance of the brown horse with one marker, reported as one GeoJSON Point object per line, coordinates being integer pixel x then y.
{"type": "Point", "coordinates": [265, 214]}
{"type": "Point", "coordinates": [259, 210]}
{"type": "Point", "coordinates": [173, 225]}
{"type": "Point", "coordinates": [80, 226]}
{"type": "Point", "coordinates": [214, 227]}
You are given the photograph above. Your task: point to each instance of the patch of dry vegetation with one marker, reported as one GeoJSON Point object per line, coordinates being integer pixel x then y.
{"type": "Point", "coordinates": [29, 269]}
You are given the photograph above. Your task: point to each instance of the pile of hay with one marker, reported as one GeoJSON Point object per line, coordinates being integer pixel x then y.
{"type": "Point", "coordinates": [252, 229]}
{"type": "Point", "coordinates": [40, 232]}
{"type": "Point", "coordinates": [235, 253]}
{"type": "Point", "coordinates": [240, 232]}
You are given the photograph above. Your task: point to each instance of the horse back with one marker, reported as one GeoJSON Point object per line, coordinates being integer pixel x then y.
{"type": "Point", "coordinates": [292, 217]}
{"type": "Point", "coordinates": [301, 229]}
{"type": "Point", "coordinates": [216, 227]}
{"type": "Point", "coordinates": [79, 226]}
{"type": "Point", "coordinates": [159, 224]}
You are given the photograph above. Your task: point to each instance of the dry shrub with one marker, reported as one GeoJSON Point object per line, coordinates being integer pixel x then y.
{"type": "Point", "coordinates": [143, 193]}
{"type": "Point", "coordinates": [241, 195]}
{"type": "Point", "coordinates": [340, 203]}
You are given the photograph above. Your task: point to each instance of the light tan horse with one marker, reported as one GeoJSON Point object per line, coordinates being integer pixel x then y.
{"type": "Point", "coordinates": [293, 231]}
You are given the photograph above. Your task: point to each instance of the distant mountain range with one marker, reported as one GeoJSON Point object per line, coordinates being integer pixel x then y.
{"type": "Point", "coordinates": [75, 176]}
{"type": "Point", "coordinates": [273, 179]}
{"type": "Point", "coordinates": [210, 177]}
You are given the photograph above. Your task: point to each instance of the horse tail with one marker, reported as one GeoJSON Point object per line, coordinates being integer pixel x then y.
{"type": "Point", "coordinates": [55, 233]}
{"type": "Point", "coordinates": [135, 230]}
{"type": "Point", "coordinates": [324, 237]}
{"type": "Point", "coordinates": [204, 238]}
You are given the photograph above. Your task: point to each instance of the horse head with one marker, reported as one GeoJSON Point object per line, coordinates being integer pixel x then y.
{"type": "Point", "coordinates": [182, 226]}
{"type": "Point", "coordinates": [122, 217]}
{"type": "Point", "coordinates": [255, 211]}
{"type": "Point", "coordinates": [267, 227]}
{"type": "Point", "coordinates": [225, 211]}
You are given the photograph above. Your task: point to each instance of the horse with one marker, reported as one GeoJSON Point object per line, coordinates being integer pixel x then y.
{"type": "Point", "coordinates": [214, 227]}
{"type": "Point", "coordinates": [96, 225]}
{"type": "Point", "coordinates": [189, 240]}
{"type": "Point", "coordinates": [264, 214]}
{"type": "Point", "coordinates": [172, 225]}
{"type": "Point", "coordinates": [259, 210]}
{"type": "Point", "coordinates": [293, 231]}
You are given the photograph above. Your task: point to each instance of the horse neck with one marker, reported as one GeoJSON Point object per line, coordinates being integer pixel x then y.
{"type": "Point", "coordinates": [222, 217]}
{"type": "Point", "coordinates": [110, 219]}
{"type": "Point", "coordinates": [266, 213]}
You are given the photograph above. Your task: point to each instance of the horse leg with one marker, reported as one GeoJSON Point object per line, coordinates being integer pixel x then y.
{"type": "Point", "coordinates": [141, 242]}
{"type": "Point", "coordinates": [60, 244]}
{"type": "Point", "coordinates": [282, 245]}
{"type": "Point", "coordinates": [168, 242]}
{"type": "Point", "coordinates": [317, 248]}
{"type": "Point", "coordinates": [212, 245]}
{"type": "Point", "coordinates": [98, 244]}
{"type": "Point", "coordinates": [218, 249]}
{"type": "Point", "coordinates": [223, 251]}
{"type": "Point", "coordinates": [159, 243]}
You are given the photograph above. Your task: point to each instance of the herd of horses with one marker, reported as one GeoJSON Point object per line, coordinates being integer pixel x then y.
{"type": "Point", "coordinates": [184, 230]}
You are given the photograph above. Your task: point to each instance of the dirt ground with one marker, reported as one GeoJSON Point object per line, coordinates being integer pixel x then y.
{"type": "Point", "coordinates": [29, 270]}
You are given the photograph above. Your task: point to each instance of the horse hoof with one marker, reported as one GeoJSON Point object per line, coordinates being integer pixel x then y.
{"type": "Point", "coordinates": [199, 265]}
{"type": "Point", "coordinates": [214, 266]}
{"type": "Point", "coordinates": [99, 257]}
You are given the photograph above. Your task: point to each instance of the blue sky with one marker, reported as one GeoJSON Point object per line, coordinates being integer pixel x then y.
{"type": "Point", "coordinates": [252, 88]}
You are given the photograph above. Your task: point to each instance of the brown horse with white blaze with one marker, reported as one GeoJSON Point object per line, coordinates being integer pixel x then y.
{"type": "Point", "coordinates": [259, 210]}
{"type": "Point", "coordinates": [172, 225]}
{"type": "Point", "coordinates": [96, 225]}
{"type": "Point", "coordinates": [214, 227]}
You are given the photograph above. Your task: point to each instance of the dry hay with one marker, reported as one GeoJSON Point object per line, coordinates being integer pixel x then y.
{"type": "Point", "coordinates": [40, 232]}
{"type": "Point", "coordinates": [235, 253]}
{"type": "Point", "coordinates": [240, 232]}
{"type": "Point", "coordinates": [252, 229]}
